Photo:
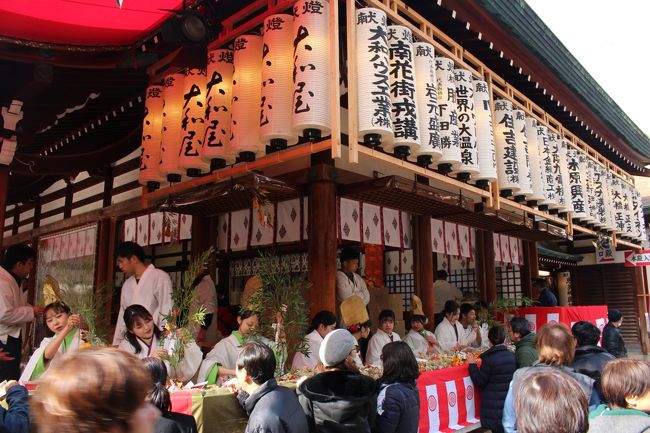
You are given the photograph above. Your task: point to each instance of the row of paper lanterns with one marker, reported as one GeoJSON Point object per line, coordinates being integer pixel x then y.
{"type": "Point", "coordinates": [266, 91]}
{"type": "Point", "coordinates": [421, 106]}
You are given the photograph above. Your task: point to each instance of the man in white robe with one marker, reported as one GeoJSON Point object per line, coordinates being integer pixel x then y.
{"type": "Point", "coordinates": [147, 286]}
{"type": "Point", "coordinates": [348, 281]}
{"type": "Point", "coordinates": [15, 312]}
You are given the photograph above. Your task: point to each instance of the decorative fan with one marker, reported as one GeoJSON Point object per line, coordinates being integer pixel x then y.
{"type": "Point", "coordinates": [51, 290]}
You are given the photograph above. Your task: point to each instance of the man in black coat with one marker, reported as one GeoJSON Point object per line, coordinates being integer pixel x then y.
{"type": "Point", "coordinates": [271, 408]}
{"type": "Point", "coordinates": [612, 338]}
{"type": "Point", "coordinates": [590, 359]}
{"type": "Point", "coordinates": [493, 378]}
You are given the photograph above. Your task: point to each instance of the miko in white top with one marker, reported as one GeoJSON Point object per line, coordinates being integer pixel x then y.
{"type": "Point", "coordinates": [66, 338]}
{"type": "Point", "coordinates": [322, 324]}
{"type": "Point", "coordinates": [144, 340]}
{"type": "Point", "coordinates": [147, 286]}
{"type": "Point", "coordinates": [450, 333]}
{"type": "Point", "coordinates": [382, 337]}
{"type": "Point", "coordinates": [421, 341]}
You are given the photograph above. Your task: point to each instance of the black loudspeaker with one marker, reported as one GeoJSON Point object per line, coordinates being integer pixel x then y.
{"type": "Point", "coordinates": [187, 26]}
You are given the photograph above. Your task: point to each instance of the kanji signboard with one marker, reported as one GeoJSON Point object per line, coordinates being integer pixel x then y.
{"type": "Point", "coordinates": [637, 258]}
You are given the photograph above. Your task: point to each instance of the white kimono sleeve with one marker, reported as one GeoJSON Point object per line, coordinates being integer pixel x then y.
{"type": "Point", "coordinates": [190, 364]}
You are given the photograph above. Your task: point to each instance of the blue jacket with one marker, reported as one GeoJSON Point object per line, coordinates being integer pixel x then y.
{"type": "Point", "coordinates": [273, 409]}
{"type": "Point", "coordinates": [547, 299]}
{"type": "Point", "coordinates": [398, 408]}
{"type": "Point", "coordinates": [16, 418]}
{"type": "Point", "coordinates": [493, 379]}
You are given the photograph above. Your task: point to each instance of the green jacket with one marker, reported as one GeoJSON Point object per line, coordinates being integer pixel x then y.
{"type": "Point", "coordinates": [526, 353]}
{"type": "Point", "coordinates": [606, 420]}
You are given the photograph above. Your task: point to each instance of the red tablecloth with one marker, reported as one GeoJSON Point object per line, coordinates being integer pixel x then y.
{"type": "Point", "coordinates": [448, 400]}
{"type": "Point", "coordinates": [539, 316]}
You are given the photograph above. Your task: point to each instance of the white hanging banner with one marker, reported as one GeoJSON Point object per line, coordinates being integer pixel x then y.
{"type": "Point", "coordinates": [404, 104]}
{"type": "Point", "coordinates": [407, 262]}
{"type": "Point", "coordinates": [523, 159]}
{"type": "Point", "coordinates": [263, 225]}
{"type": "Point", "coordinates": [222, 232]}
{"type": "Point", "coordinates": [466, 122]}
{"type": "Point", "coordinates": [372, 68]}
{"type": "Point", "coordinates": [447, 112]}
{"type": "Point", "coordinates": [407, 235]}
{"type": "Point", "coordinates": [129, 230]}
{"type": "Point", "coordinates": [504, 241]}
{"type": "Point", "coordinates": [155, 228]}
{"type": "Point", "coordinates": [91, 241]}
{"type": "Point", "coordinates": [451, 239]}
{"type": "Point", "coordinates": [498, 252]}
{"type": "Point", "coordinates": [437, 236]}
{"type": "Point", "coordinates": [311, 100]}
{"type": "Point", "coordinates": [514, 250]}
{"type": "Point", "coordinates": [372, 223]}
{"type": "Point", "coordinates": [239, 222]}
{"type": "Point", "coordinates": [277, 80]}
{"type": "Point", "coordinates": [142, 232]}
{"type": "Point", "coordinates": [218, 107]}
{"type": "Point", "coordinates": [506, 146]}
{"type": "Point", "coordinates": [554, 142]}
{"type": "Point", "coordinates": [487, 158]}
{"type": "Point", "coordinates": [288, 221]}
{"type": "Point", "coordinates": [547, 166]}
{"type": "Point", "coordinates": [185, 227]}
{"type": "Point", "coordinates": [576, 173]}
{"type": "Point", "coordinates": [427, 98]}
{"type": "Point", "coordinates": [464, 241]}
{"type": "Point", "coordinates": [350, 220]}
{"type": "Point", "coordinates": [391, 218]}
{"type": "Point", "coordinates": [536, 172]}
{"type": "Point", "coordinates": [391, 262]}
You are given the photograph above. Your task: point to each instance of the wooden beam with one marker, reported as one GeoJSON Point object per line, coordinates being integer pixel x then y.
{"type": "Point", "coordinates": [321, 246]}
{"type": "Point", "coordinates": [641, 308]}
{"type": "Point", "coordinates": [424, 266]}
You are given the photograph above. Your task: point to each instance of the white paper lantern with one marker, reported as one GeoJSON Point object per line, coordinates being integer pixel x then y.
{"type": "Point", "coordinates": [216, 146]}
{"type": "Point", "coordinates": [629, 206]}
{"type": "Point", "coordinates": [535, 165]}
{"type": "Point", "coordinates": [246, 97]}
{"type": "Point", "coordinates": [575, 190]}
{"type": "Point", "coordinates": [487, 158]}
{"type": "Point", "coordinates": [523, 159]}
{"type": "Point", "coordinates": [427, 99]}
{"type": "Point", "coordinates": [609, 198]}
{"type": "Point", "coordinates": [506, 147]}
{"type": "Point", "coordinates": [311, 101]}
{"type": "Point", "coordinates": [640, 232]}
{"type": "Point", "coordinates": [466, 124]}
{"type": "Point", "coordinates": [554, 141]}
{"type": "Point", "coordinates": [277, 83]}
{"type": "Point", "coordinates": [193, 123]}
{"type": "Point", "coordinates": [404, 104]}
{"type": "Point", "coordinates": [617, 205]}
{"type": "Point", "coordinates": [151, 137]}
{"type": "Point", "coordinates": [599, 192]}
{"type": "Point", "coordinates": [546, 159]}
{"type": "Point", "coordinates": [374, 106]}
{"type": "Point", "coordinates": [447, 115]}
{"type": "Point", "coordinates": [590, 193]}
{"type": "Point", "coordinates": [564, 168]}
{"type": "Point", "coordinates": [170, 147]}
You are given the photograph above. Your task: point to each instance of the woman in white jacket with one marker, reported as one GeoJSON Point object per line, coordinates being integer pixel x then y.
{"type": "Point", "coordinates": [142, 338]}
{"type": "Point", "coordinates": [450, 333]}
{"type": "Point", "coordinates": [323, 323]}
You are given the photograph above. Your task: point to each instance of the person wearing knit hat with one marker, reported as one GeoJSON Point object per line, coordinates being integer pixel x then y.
{"type": "Point", "coordinates": [340, 399]}
{"type": "Point", "coordinates": [612, 338]}
{"type": "Point", "coordinates": [421, 341]}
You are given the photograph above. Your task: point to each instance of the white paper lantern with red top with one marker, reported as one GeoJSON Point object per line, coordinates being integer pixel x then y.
{"type": "Point", "coordinates": [546, 160]}
{"type": "Point", "coordinates": [468, 167]}
{"type": "Point", "coordinates": [246, 97]}
{"type": "Point", "coordinates": [193, 123]}
{"type": "Point", "coordinates": [216, 144]}
{"type": "Point", "coordinates": [427, 101]}
{"type": "Point", "coordinates": [277, 82]}
{"type": "Point", "coordinates": [170, 148]}
{"type": "Point", "coordinates": [487, 158]}
{"type": "Point", "coordinates": [506, 146]}
{"type": "Point", "coordinates": [447, 115]}
{"type": "Point", "coordinates": [523, 159]}
{"type": "Point", "coordinates": [151, 137]}
{"type": "Point", "coordinates": [536, 173]}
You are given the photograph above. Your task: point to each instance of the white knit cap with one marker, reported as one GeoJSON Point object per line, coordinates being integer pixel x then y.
{"type": "Point", "coordinates": [336, 346]}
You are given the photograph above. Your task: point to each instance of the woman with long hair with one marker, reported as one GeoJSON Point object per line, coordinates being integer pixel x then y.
{"type": "Point", "coordinates": [322, 324]}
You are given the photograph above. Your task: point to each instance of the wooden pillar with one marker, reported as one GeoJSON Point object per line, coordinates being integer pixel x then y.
{"type": "Point", "coordinates": [108, 187]}
{"type": "Point", "coordinates": [321, 246]}
{"type": "Point", "coordinates": [4, 190]}
{"type": "Point", "coordinates": [485, 265]}
{"type": "Point", "coordinates": [641, 307]}
{"type": "Point", "coordinates": [16, 224]}
{"type": "Point", "coordinates": [69, 196]}
{"type": "Point", "coordinates": [37, 211]}
{"type": "Point", "coordinates": [527, 273]}
{"type": "Point", "coordinates": [423, 255]}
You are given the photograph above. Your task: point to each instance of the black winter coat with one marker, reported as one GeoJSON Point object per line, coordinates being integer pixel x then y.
{"type": "Point", "coordinates": [590, 360]}
{"type": "Point", "coordinates": [613, 341]}
{"type": "Point", "coordinates": [493, 379]}
{"type": "Point", "coordinates": [273, 409]}
{"type": "Point", "coordinates": [398, 408]}
{"type": "Point", "coordinates": [338, 401]}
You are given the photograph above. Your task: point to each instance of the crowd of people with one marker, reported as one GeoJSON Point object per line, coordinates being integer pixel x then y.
{"type": "Point", "coordinates": [555, 380]}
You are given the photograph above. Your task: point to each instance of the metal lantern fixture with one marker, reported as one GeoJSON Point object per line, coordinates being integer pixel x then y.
{"type": "Point", "coordinates": [374, 107]}
{"type": "Point", "coordinates": [406, 125]}
{"type": "Point", "coordinates": [311, 97]}
{"type": "Point", "coordinates": [170, 147]}
{"type": "Point", "coordinates": [193, 123]}
{"type": "Point", "coordinates": [427, 101]}
{"type": "Point", "coordinates": [246, 97]}
{"type": "Point", "coordinates": [216, 144]}
{"type": "Point", "coordinates": [487, 159]}
{"type": "Point", "coordinates": [448, 115]}
{"type": "Point", "coordinates": [506, 145]}
{"type": "Point", "coordinates": [151, 137]}
{"type": "Point", "coordinates": [523, 159]}
{"type": "Point", "coordinates": [466, 125]}
{"type": "Point", "coordinates": [277, 83]}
